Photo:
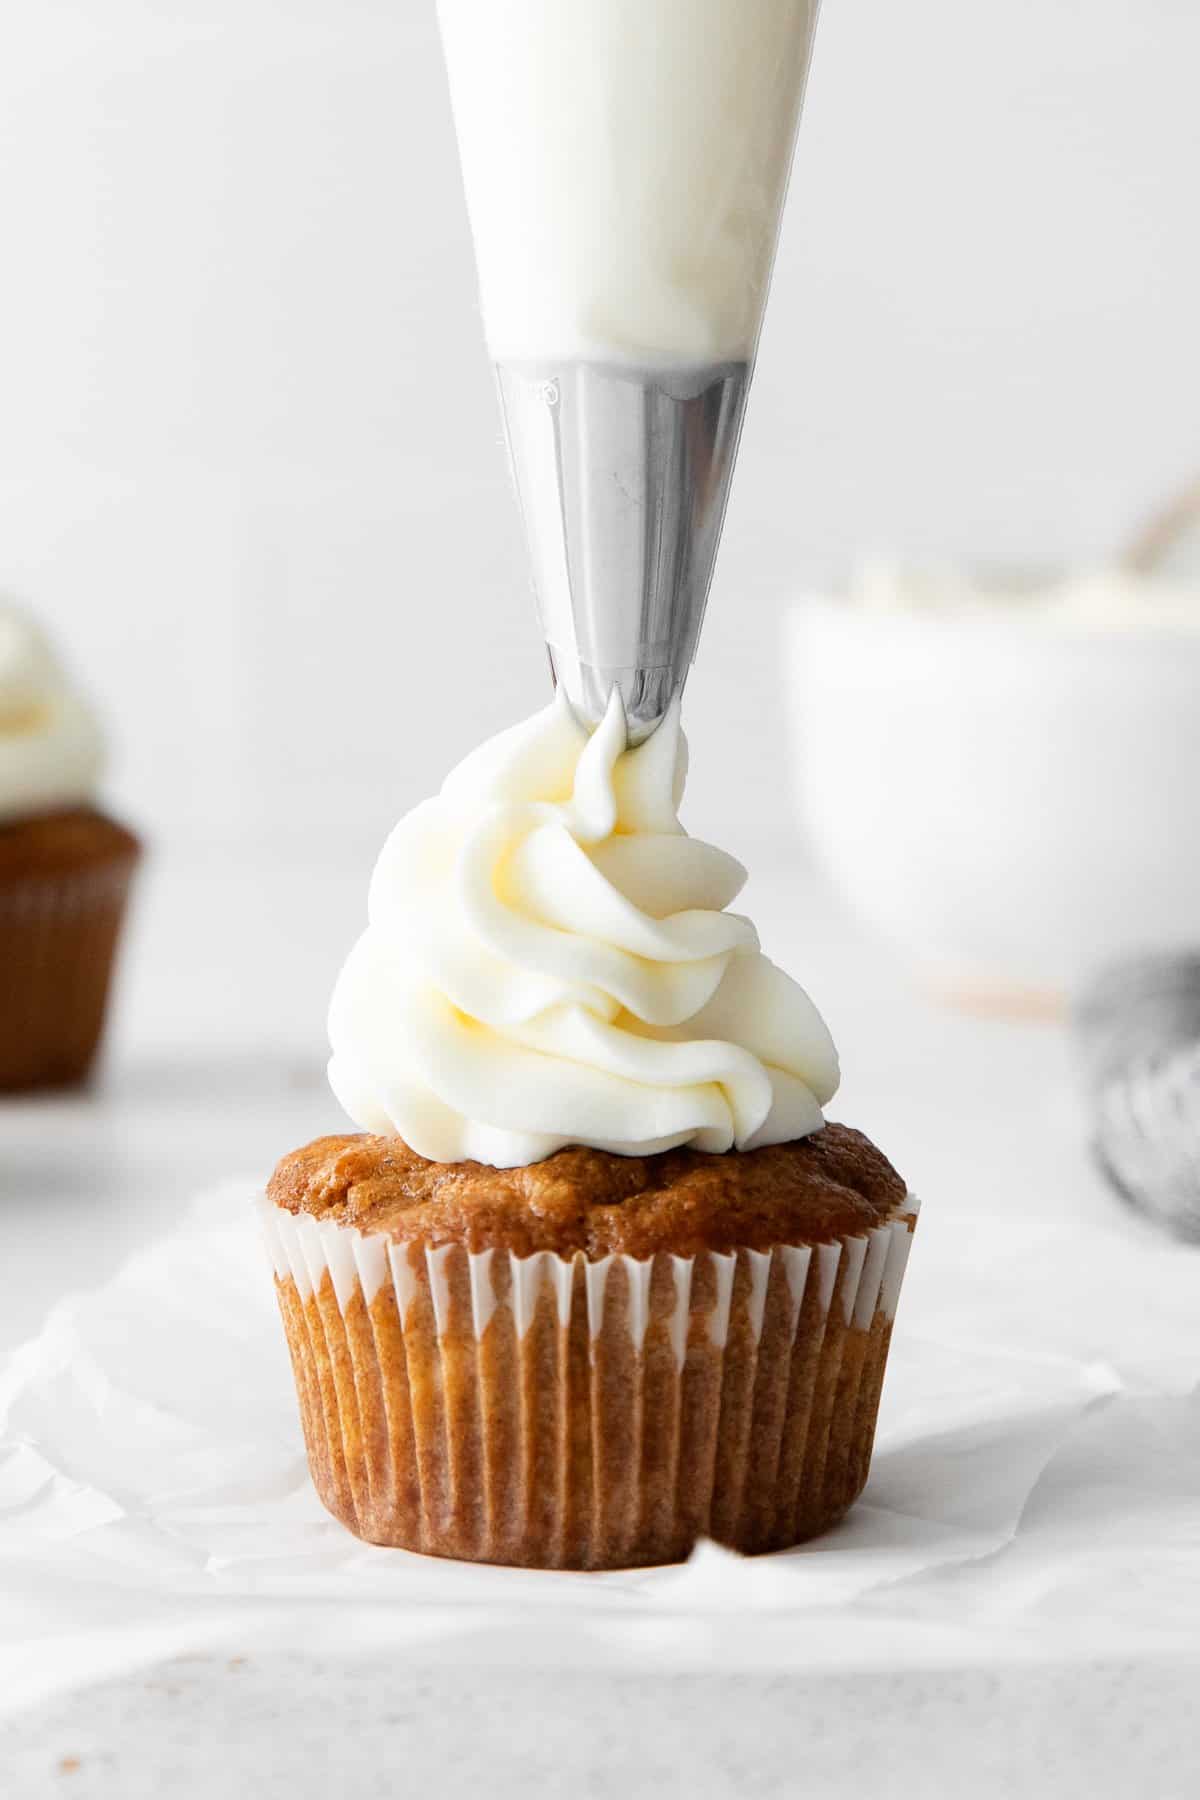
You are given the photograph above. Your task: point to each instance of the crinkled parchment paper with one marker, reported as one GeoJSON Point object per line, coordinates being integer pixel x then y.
{"type": "Point", "coordinates": [1035, 1491]}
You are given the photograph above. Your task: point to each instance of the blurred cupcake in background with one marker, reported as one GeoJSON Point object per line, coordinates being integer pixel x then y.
{"type": "Point", "coordinates": [65, 867]}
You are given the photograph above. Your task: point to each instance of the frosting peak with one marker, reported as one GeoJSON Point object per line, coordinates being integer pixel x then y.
{"type": "Point", "coordinates": [50, 745]}
{"type": "Point", "coordinates": [549, 961]}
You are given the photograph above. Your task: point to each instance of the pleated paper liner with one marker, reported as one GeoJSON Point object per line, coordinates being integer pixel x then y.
{"type": "Point", "coordinates": [58, 941]}
{"type": "Point", "coordinates": [558, 1413]}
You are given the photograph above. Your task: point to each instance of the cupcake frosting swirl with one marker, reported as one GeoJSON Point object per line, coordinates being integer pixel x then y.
{"type": "Point", "coordinates": [51, 750]}
{"type": "Point", "coordinates": [549, 960]}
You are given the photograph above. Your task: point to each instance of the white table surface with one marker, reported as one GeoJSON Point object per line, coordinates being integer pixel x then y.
{"type": "Point", "coordinates": [215, 1068]}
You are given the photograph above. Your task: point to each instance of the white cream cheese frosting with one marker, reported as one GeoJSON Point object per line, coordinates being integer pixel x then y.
{"type": "Point", "coordinates": [1108, 598]}
{"type": "Point", "coordinates": [549, 960]}
{"type": "Point", "coordinates": [625, 164]}
{"type": "Point", "coordinates": [51, 749]}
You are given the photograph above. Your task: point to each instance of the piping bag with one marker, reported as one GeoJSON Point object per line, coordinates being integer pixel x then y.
{"type": "Point", "coordinates": [625, 165]}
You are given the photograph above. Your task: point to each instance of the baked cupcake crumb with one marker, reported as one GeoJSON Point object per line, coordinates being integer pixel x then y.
{"type": "Point", "coordinates": [830, 1185]}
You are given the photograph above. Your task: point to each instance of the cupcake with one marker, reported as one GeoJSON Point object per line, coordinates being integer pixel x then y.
{"type": "Point", "coordinates": [64, 868]}
{"type": "Point", "coordinates": [596, 1278]}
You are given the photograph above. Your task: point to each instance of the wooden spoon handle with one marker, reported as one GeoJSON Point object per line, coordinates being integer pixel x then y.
{"type": "Point", "coordinates": [1166, 524]}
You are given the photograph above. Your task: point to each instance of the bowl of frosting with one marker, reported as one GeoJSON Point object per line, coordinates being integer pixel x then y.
{"type": "Point", "coordinates": [999, 768]}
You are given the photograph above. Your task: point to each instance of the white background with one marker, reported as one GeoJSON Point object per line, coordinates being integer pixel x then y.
{"type": "Point", "coordinates": [250, 470]}
{"type": "Point", "coordinates": [249, 453]}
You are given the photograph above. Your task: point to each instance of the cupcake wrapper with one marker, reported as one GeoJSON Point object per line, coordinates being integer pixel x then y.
{"type": "Point", "coordinates": [58, 938]}
{"type": "Point", "coordinates": [560, 1413]}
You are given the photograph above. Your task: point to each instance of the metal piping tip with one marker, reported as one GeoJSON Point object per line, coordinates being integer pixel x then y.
{"type": "Point", "coordinates": [623, 476]}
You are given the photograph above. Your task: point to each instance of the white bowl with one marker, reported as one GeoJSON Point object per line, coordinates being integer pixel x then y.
{"type": "Point", "coordinates": [1011, 802]}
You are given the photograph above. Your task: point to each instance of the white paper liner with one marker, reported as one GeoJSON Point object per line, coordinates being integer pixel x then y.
{"type": "Point", "coordinates": [558, 1412]}
{"type": "Point", "coordinates": [306, 1250]}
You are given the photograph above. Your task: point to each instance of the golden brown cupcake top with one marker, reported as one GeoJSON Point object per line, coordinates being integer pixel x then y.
{"type": "Point", "coordinates": [63, 843]}
{"type": "Point", "coordinates": [826, 1186]}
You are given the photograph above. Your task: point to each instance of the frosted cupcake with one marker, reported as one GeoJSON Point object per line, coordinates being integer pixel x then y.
{"type": "Point", "coordinates": [597, 1279]}
{"type": "Point", "coordinates": [65, 868]}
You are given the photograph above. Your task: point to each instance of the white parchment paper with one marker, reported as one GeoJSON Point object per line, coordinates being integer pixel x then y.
{"type": "Point", "coordinates": [1035, 1491]}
